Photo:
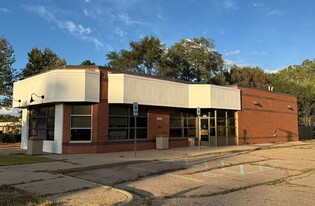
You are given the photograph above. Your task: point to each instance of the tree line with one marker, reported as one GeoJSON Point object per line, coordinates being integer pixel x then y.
{"type": "Point", "coordinates": [193, 60]}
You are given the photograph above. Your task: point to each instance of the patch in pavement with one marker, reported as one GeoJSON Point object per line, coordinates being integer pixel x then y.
{"type": "Point", "coordinates": [120, 174]}
{"type": "Point", "coordinates": [177, 185]}
{"type": "Point", "coordinates": [21, 177]}
{"type": "Point", "coordinates": [93, 196]}
{"type": "Point", "coordinates": [55, 186]}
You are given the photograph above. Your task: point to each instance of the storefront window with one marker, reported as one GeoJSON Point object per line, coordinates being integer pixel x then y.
{"type": "Point", "coordinates": [81, 121]}
{"type": "Point", "coordinates": [42, 122]}
{"type": "Point", "coordinates": [183, 123]}
{"type": "Point", "coordinates": [121, 122]}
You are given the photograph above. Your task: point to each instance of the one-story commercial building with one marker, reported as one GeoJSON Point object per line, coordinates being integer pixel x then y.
{"type": "Point", "coordinates": [88, 109]}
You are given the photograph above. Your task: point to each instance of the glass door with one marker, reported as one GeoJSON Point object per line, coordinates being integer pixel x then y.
{"type": "Point", "coordinates": [205, 131]}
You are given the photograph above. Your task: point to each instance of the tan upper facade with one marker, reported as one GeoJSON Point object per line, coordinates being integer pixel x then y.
{"type": "Point", "coordinates": [58, 85]}
{"type": "Point", "coordinates": [126, 88]}
{"type": "Point", "coordinates": [80, 85]}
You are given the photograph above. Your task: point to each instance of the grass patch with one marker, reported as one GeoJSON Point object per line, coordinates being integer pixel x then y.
{"type": "Point", "coordinates": [13, 196]}
{"type": "Point", "coordinates": [17, 159]}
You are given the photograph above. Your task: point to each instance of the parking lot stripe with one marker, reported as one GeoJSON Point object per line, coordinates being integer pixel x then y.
{"type": "Point", "coordinates": [186, 178]}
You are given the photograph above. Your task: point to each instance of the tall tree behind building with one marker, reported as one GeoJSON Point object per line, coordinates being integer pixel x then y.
{"type": "Point", "coordinates": [249, 76]}
{"type": "Point", "coordinates": [143, 57]}
{"type": "Point", "coordinates": [192, 60]}
{"type": "Point", "coordinates": [39, 62]}
{"type": "Point", "coordinates": [299, 80]}
{"type": "Point", "coordinates": [7, 72]}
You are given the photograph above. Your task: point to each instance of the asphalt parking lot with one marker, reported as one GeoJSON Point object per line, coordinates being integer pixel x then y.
{"type": "Point", "coordinates": [277, 176]}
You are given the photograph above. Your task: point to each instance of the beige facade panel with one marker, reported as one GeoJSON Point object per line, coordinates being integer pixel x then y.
{"type": "Point", "coordinates": [125, 88]}
{"type": "Point", "coordinates": [58, 86]}
{"type": "Point", "coordinates": [200, 96]}
{"type": "Point", "coordinates": [225, 98]}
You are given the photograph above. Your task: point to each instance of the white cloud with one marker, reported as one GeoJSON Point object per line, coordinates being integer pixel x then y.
{"type": "Point", "coordinates": [229, 63]}
{"type": "Point", "coordinates": [10, 111]}
{"type": "Point", "coordinates": [275, 12]}
{"type": "Point", "coordinates": [259, 53]}
{"type": "Point", "coordinates": [120, 32]}
{"type": "Point", "coordinates": [273, 71]}
{"type": "Point", "coordinates": [229, 53]}
{"type": "Point", "coordinates": [160, 16]}
{"type": "Point", "coordinates": [97, 43]}
{"type": "Point", "coordinates": [126, 19]}
{"type": "Point", "coordinates": [5, 10]}
{"type": "Point", "coordinates": [74, 29]}
{"type": "Point", "coordinates": [258, 4]}
{"type": "Point", "coordinates": [229, 5]}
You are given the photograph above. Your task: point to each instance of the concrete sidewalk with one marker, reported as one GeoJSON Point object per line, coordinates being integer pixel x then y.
{"type": "Point", "coordinates": [47, 179]}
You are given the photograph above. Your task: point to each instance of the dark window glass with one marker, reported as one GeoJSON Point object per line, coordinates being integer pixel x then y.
{"type": "Point", "coordinates": [118, 122]}
{"type": "Point", "coordinates": [231, 131]}
{"type": "Point", "coordinates": [231, 122]}
{"type": "Point", "coordinates": [221, 113]}
{"type": "Point", "coordinates": [81, 121]}
{"type": "Point", "coordinates": [182, 122]}
{"type": "Point", "coordinates": [42, 122]}
{"type": "Point", "coordinates": [212, 122]}
{"type": "Point", "coordinates": [176, 132]}
{"type": "Point", "coordinates": [175, 122]}
{"type": "Point", "coordinates": [141, 122]}
{"type": "Point", "coordinates": [230, 114]}
{"type": "Point", "coordinates": [212, 131]}
{"type": "Point", "coordinates": [221, 122]}
{"type": "Point", "coordinates": [121, 122]}
{"type": "Point", "coordinates": [191, 122]}
{"type": "Point", "coordinates": [118, 110]}
{"type": "Point", "coordinates": [175, 113]}
{"type": "Point", "coordinates": [81, 109]}
{"type": "Point", "coordinates": [80, 134]}
{"type": "Point", "coordinates": [221, 131]}
{"type": "Point", "coordinates": [141, 133]}
{"type": "Point", "coordinates": [189, 132]}
{"type": "Point", "coordinates": [117, 134]}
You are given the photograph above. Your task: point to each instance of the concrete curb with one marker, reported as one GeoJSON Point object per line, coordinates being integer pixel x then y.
{"type": "Point", "coordinates": [127, 194]}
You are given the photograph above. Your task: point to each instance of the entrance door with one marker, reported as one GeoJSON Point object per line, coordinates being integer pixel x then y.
{"type": "Point", "coordinates": [205, 131]}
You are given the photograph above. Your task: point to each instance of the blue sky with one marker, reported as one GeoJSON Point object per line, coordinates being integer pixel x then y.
{"type": "Point", "coordinates": [270, 34]}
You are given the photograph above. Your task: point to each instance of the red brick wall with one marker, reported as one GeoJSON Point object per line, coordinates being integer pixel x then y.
{"type": "Point", "coordinates": [99, 123]}
{"type": "Point", "coordinates": [268, 121]}
{"type": "Point", "coordinates": [158, 121]}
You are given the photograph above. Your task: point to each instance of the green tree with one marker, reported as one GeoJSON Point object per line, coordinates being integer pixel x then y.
{"type": "Point", "coordinates": [299, 80]}
{"type": "Point", "coordinates": [8, 118]}
{"type": "Point", "coordinates": [192, 60]}
{"type": "Point", "coordinates": [41, 61]}
{"type": "Point", "coordinates": [143, 57]}
{"type": "Point", "coordinates": [7, 73]}
{"type": "Point", "coordinates": [87, 62]}
{"type": "Point", "coordinates": [249, 76]}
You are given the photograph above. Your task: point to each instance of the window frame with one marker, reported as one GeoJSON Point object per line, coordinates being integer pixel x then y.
{"type": "Point", "coordinates": [185, 116]}
{"type": "Point", "coordinates": [81, 115]}
{"type": "Point", "coordinates": [37, 117]}
{"type": "Point", "coordinates": [130, 118]}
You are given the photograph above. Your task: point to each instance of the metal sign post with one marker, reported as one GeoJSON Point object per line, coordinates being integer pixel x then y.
{"type": "Point", "coordinates": [199, 131]}
{"type": "Point", "coordinates": [135, 109]}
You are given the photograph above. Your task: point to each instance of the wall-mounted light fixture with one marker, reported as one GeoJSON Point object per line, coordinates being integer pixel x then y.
{"type": "Point", "coordinates": [32, 100]}
{"type": "Point", "coordinates": [16, 100]}
{"type": "Point", "coordinates": [290, 107]}
{"type": "Point", "coordinates": [256, 103]}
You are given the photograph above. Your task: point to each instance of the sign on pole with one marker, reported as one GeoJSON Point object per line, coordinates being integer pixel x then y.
{"type": "Point", "coordinates": [198, 111]}
{"type": "Point", "coordinates": [199, 130]}
{"type": "Point", "coordinates": [135, 108]}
